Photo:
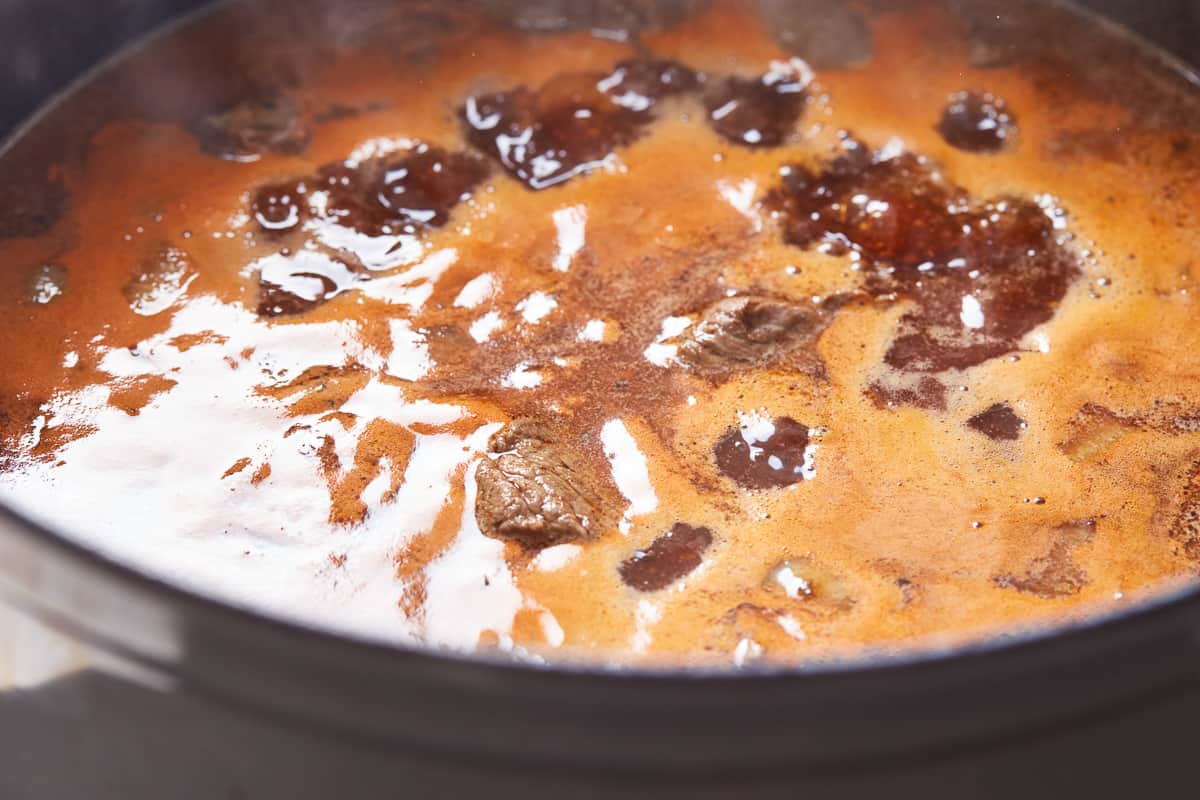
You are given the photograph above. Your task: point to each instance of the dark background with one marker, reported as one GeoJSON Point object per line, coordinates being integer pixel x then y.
{"type": "Point", "coordinates": [58, 39]}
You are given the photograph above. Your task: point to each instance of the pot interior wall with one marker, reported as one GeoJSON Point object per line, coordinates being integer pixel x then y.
{"type": "Point", "coordinates": [47, 43]}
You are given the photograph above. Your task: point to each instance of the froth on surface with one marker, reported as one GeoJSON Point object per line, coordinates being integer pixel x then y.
{"type": "Point", "coordinates": [652, 345]}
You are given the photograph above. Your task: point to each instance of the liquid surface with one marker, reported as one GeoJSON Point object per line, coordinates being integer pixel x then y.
{"type": "Point", "coordinates": [682, 333]}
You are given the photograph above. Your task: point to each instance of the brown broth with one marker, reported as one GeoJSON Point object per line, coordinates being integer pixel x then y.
{"type": "Point", "coordinates": [758, 360]}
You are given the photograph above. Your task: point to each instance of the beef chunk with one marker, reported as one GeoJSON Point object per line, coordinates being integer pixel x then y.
{"type": "Point", "coordinates": [532, 493]}
{"type": "Point", "coordinates": [409, 191]}
{"type": "Point", "coordinates": [742, 332]}
{"type": "Point", "coordinates": [252, 129]}
{"type": "Point", "coordinates": [1055, 574]}
{"type": "Point", "coordinates": [998, 422]}
{"type": "Point", "coordinates": [979, 275]}
{"type": "Point", "coordinates": [763, 456]}
{"type": "Point", "coordinates": [978, 122]}
{"type": "Point", "coordinates": [760, 112]}
{"type": "Point", "coordinates": [574, 122]}
{"type": "Point", "coordinates": [828, 34]}
{"type": "Point", "coordinates": [670, 557]}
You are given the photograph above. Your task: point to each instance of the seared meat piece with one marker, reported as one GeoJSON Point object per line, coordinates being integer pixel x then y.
{"type": "Point", "coordinates": [743, 332]}
{"type": "Point", "coordinates": [531, 493]}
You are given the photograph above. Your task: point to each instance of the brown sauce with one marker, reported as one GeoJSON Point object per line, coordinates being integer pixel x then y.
{"type": "Point", "coordinates": [669, 558]}
{"type": "Point", "coordinates": [681, 332]}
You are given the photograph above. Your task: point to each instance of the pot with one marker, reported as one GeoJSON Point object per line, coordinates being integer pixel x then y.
{"type": "Point", "coordinates": [114, 684]}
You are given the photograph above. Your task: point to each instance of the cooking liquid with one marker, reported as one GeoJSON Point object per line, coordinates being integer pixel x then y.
{"type": "Point", "coordinates": [880, 346]}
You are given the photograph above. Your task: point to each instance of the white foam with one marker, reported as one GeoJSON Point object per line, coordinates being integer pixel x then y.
{"type": "Point", "coordinates": [593, 331]}
{"type": "Point", "coordinates": [149, 489]}
{"type": "Point", "coordinates": [972, 312]}
{"type": "Point", "coordinates": [741, 196]}
{"type": "Point", "coordinates": [661, 352]}
{"type": "Point", "coordinates": [475, 291]}
{"type": "Point", "coordinates": [469, 589]}
{"type": "Point", "coordinates": [630, 471]}
{"type": "Point", "coordinates": [536, 307]}
{"type": "Point", "coordinates": [409, 359]}
{"type": "Point", "coordinates": [522, 376]}
{"type": "Point", "coordinates": [483, 328]}
{"type": "Point", "coordinates": [571, 225]}
{"type": "Point", "coordinates": [556, 557]}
